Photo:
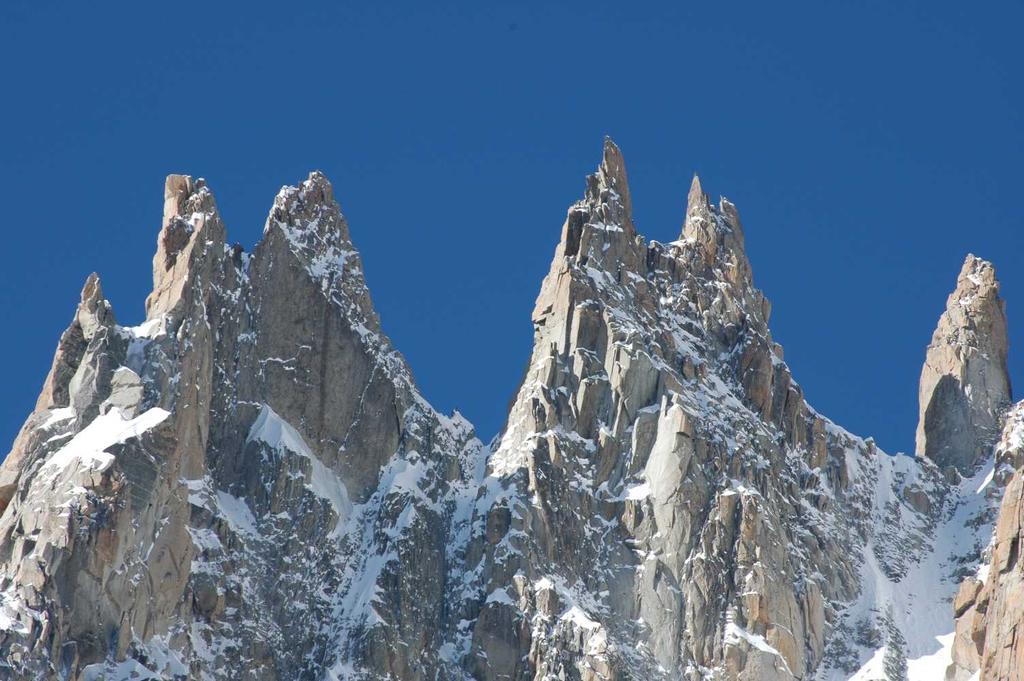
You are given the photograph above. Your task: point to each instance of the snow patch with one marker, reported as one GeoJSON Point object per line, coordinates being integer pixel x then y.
{"type": "Point", "coordinates": [278, 434]}
{"type": "Point", "coordinates": [87, 448]}
{"type": "Point", "coordinates": [237, 513]}
{"type": "Point", "coordinates": [58, 415]}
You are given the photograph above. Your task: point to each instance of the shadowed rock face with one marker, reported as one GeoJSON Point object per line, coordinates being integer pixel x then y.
{"type": "Point", "coordinates": [965, 385]}
{"type": "Point", "coordinates": [249, 485]}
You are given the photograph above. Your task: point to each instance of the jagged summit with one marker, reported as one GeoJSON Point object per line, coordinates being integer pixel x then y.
{"type": "Point", "coordinates": [697, 202]}
{"type": "Point", "coordinates": [717, 234]}
{"type": "Point", "coordinates": [654, 380]}
{"type": "Point", "coordinates": [191, 223]}
{"type": "Point", "coordinates": [309, 220]}
{"type": "Point", "coordinates": [258, 419]}
{"type": "Point", "coordinates": [611, 176]}
{"type": "Point", "coordinates": [304, 202]}
{"type": "Point", "coordinates": [249, 485]}
{"type": "Point", "coordinates": [965, 384]}
{"type": "Point", "coordinates": [92, 308]}
{"type": "Point", "coordinates": [177, 191]}
{"type": "Point", "coordinates": [68, 376]}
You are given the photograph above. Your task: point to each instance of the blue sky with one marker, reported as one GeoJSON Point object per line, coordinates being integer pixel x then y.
{"type": "Point", "coordinates": [868, 145]}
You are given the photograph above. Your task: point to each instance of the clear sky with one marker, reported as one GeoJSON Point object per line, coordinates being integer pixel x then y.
{"type": "Point", "coordinates": [868, 145]}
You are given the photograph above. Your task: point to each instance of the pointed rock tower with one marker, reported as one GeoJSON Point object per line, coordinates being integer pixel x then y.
{"type": "Point", "coordinates": [249, 485]}
{"type": "Point", "coordinates": [965, 385]}
{"type": "Point", "coordinates": [244, 485]}
{"type": "Point", "coordinates": [663, 499]}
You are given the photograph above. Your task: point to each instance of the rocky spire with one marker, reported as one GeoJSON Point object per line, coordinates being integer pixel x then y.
{"type": "Point", "coordinates": [716, 235]}
{"type": "Point", "coordinates": [598, 236]}
{"type": "Point", "coordinates": [965, 386]}
{"type": "Point", "coordinates": [92, 315]}
{"type": "Point", "coordinates": [93, 312]}
{"type": "Point", "coordinates": [697, 202]}
{"type": "Point", "coordinates": [250, 483]}
{"type": "Point", "coordinates": [307, 221]}
{"type": "Point", "coordinates": [610, 179]}
{"type": "Point", "coordinates": [190, 218]}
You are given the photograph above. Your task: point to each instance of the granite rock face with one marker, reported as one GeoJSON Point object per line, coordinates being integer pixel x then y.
{"type": "Point", "coordinates": [988, 603]}
{"type": "Point", "coordinates": [244, 486]}
{"type": "Point", "coordinates": [1000, 602]}
{"type": "Point", "coordinates": [965, 384]}
{"type": "Point", "coordinates": [249, 485]}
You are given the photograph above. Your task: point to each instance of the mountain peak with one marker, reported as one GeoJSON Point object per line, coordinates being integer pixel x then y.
{"type": "Point", "coordinates": [716, 234]}
{"type": "Point", "coordinates": [190, 224]}
{"type": "Point", "coordinates": [318, 181]}
{"type": "Point", "coordinates": [92, 291]}
{"type": "Point", "coordinates": [177, 190]}
{"type": "Point", "coordinates": [696, 199]}
{"type": "Point", "coordinates": [310, 201]}
{"type": "Point", "coordinates": [700, 220]}
{"type": "Point", "coordinates": [311, 221]}
{"type": "Point", "coordinates": [965, 384]}
{"type": "Point", "coordinates": [93, 310]}
{"type": "Point", "coordinates": [258, 488]}
{"type": "Point", "coordinates": [977, 277]}
{"type": "Point", "coordinates": [609, 183]}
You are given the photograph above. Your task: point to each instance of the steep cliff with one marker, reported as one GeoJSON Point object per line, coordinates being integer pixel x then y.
{"type": "Point", "coordinates": [987, 605]}
{"type": "Point", "coordinates": [249, 484]}
{"type": "Point", "coordinates": [999, 606]}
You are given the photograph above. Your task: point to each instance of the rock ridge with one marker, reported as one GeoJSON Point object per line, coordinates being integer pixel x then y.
{"type": "Point", "coordinates": [250, 485]}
